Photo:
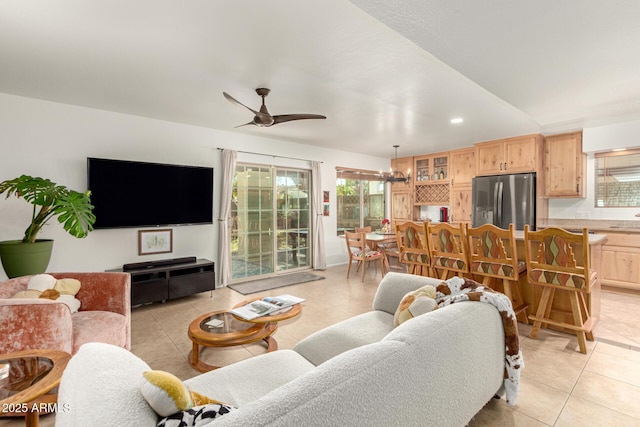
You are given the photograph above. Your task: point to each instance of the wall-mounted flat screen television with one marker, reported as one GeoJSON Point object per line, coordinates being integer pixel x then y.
{"type": "Point", "coordinates": [139, 194]}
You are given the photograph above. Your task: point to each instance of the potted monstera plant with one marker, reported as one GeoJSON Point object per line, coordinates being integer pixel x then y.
{"type": "Point", "coordinates": [73, 210]}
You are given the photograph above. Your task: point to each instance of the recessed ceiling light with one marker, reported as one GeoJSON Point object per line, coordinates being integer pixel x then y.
{"type": "Point", "coordinates": [457, 120]}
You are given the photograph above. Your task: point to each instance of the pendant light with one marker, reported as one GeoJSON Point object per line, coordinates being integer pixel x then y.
{"type": "Point", "coordinates": [396, 175]}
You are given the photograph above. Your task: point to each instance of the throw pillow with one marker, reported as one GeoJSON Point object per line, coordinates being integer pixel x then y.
{"type": "Point", "coordinates": [48, 287]}
{"type": "Point", "coordinates": [41, 282]}
{"type": "Point", "coordinates": [51, 294]}
{"type": "Point", "coordinates": [67, 286]}
{"type": "Point", "coordinates": [198, 416]}
{"type": "Point", "coordinates": [415, 303]}
{"type": "Point", "coordinates": [167, 395]}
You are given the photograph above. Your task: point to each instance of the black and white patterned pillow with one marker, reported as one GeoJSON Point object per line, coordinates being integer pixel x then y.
{"type": "Point", "coordinates": [196, 416]}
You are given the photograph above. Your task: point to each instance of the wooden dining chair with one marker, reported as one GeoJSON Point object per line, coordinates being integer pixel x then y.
{"type": "Point", "coordinates": [412, 248]}
{"type": "Point", "coordinates": [358, 251]}
{"type": "Point", "coordinates": [493, 255]}
{"type": "Point", "coordinates": [366, 229]}
{"type": "Point", "coordinates": [390, 249]}
{"type": "Point", "coordinates": [448, 245]}
{"type": "Point", "coordinates": [552, 265]}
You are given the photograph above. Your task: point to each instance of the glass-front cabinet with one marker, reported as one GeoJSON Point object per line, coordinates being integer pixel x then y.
{"type": "Point", "coordinates": [431, 168]}
{"type": "Point", "coordinates": [431, 179]}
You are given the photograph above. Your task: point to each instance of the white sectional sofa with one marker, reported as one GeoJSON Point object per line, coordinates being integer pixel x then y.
{"type": "Point", "coordinates": [437, 369]}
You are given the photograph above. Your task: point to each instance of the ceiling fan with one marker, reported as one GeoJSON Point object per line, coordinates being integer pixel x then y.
{"type": "Point", "coordinates": [263, 118]}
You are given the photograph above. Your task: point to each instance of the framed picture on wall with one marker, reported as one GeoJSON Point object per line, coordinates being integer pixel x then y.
{"type": "Point", "coordinates": [155, 241]}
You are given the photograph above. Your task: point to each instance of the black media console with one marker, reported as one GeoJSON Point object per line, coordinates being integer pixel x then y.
{"type": "Point", "coordinates": [169, 279]}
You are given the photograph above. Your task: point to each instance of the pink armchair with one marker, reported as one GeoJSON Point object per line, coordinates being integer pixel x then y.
{"type": "Point", "coordinates": [104, 315]}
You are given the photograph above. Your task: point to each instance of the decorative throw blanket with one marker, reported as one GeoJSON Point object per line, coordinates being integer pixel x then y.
{"type": "Point", "coordinates": [459, 289]}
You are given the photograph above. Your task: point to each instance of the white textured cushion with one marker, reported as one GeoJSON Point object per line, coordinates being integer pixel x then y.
{"type": "Point", "coordinates": [250, 379]}
{"type": "Point", "coordinates": [365, 328]}
{"type": "Point", "coordinates": [41, 282]}
{"type": "Point", "coordinates": [101, 387]}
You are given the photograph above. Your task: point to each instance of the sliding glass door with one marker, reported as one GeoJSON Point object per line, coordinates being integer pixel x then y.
{"type": "Point", "coordinates": [271, 217]}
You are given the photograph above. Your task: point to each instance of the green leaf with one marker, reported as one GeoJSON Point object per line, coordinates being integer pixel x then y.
{"type": "Point", "coordinates": [74, 209]}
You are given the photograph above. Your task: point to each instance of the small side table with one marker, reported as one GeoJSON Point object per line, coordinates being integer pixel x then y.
{"type": "Point", "coordinates": [32, 375]}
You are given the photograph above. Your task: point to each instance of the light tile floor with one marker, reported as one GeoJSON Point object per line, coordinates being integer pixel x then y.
{"type": "Point", "coordinates": [559, 386]}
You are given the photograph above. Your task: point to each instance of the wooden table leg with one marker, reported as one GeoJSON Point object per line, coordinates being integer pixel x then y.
{"type": "Point", "coordinates": [272, 344]}
{"type": "Point", "coordinates": [32, 419]}
{"type": "Point", "coordinates": [194, 355]}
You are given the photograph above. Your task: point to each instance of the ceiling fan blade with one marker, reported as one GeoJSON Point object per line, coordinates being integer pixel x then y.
{"type": "Point", "coordinates": [235, 101]}
{"type": "Point", "coordinates": [289, 117]}
{"type": "Point", "coordinates": [246, 124]}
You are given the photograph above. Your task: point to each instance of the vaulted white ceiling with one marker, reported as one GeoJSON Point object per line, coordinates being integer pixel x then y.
{"type": "Point", "coordinates": [382, 72]}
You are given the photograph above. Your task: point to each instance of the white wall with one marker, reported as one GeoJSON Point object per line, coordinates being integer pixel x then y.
{"type": "Point", "coordinates": [602, 138]}
{"type": "Point", "coordinates": [53, 140]}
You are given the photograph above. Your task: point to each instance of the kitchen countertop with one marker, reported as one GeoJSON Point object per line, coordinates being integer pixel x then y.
{"type": "Point", "coordinates": [596, 225]}
{"type": "Point", "coordinates": [594, 239]}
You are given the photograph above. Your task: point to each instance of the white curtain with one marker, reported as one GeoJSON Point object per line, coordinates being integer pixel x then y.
{"type": "Point", "coordinates": [224, 234]}
{"type": "Point", "coordinates": [319, 262]}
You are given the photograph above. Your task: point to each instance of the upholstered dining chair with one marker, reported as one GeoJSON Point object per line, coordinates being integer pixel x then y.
{"type": "Point", "coordinates": [358, 251]}
{"type": "Point", "coordinates": [448, 245]}
{"type": "Point", "coordinates": [493, 255]}
{"type": "Point", "coordinates": [552, 264]}
{"type": "Point", "coordinates": [413, 249]}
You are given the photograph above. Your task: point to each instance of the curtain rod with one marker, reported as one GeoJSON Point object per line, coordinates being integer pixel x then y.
{"type": "Point", "coordinates": [270, 155]}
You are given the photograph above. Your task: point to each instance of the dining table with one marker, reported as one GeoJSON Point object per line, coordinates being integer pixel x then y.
{"type": "Point", "coordinates": [378, 239]}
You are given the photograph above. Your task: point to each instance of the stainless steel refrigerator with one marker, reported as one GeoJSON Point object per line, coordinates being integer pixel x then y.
{"type": "Point", "coordinates": [504, 199]}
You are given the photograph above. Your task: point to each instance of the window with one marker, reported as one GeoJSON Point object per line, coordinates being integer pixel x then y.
{"type": "Point", "coordinates": [360, 199]}
{"type": "Point", "coordinates": [618, 179]}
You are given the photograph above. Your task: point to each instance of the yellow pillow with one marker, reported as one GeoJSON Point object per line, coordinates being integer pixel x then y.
{"type": "Point", "coordinates": [67, 286]}
{"type": "Point", "coordinates": [29, 293]}
{"type": "Point", "coordinates": [415, 303]}
{"type": "Point", "coordinates": [167, 395]}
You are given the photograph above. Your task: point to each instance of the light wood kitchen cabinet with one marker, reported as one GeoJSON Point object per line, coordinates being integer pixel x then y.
{"type": "Point", "coordinates": [432, 167]}
{"type": "Point", "coordinates": [401, 192]}
{"type": "Point", "coordinates": [401, 206]}
{"type": "Point", "coordinates": [463, 166]}
{"type": "Point", "coordinates": [463, 170]}
{"type": "Point", "coordinates": [431, 182]}
{"type": "Point", "coordinates": [564, 166]}
{"type": "Point", "coordinates": [460, 206]}
{"type": "Point", "coordinates": [621, 261]}
{"type": "Point", "coordinates": [509, 155]}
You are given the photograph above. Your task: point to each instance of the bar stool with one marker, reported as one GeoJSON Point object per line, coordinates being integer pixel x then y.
{"type": "Point", "coordinates": [448, 246]}
{"type": "Point", "coordinates": [413, 249]}
{"type": "Point", "coordinates": [551, 264]}
{"type": "Point", "coordinates": [493, 255]}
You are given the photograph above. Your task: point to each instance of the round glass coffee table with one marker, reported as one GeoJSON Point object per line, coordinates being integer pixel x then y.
{"type": "Point", "coordinates": [223, 329]}
{"type": "Point", "coordinates": [26, 378]}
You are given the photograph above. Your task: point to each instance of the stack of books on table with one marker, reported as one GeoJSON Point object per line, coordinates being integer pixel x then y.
{"type": "Point", "coordinates": [266, 306]}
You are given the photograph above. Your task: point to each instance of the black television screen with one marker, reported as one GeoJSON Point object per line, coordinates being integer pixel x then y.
{"type": "Point", "coordinates": [138, 194]}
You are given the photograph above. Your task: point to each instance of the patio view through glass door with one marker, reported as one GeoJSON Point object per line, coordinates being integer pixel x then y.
{"type": "Point", "coordinates": [270, 221]}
